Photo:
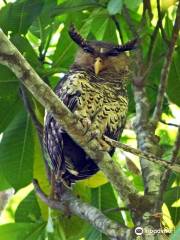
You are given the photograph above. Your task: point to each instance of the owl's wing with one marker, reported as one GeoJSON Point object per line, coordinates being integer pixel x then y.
{"type": "Point", "coordinates": [67, 159]}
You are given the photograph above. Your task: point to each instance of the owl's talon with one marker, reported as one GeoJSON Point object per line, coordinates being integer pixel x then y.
{"type": "Point", "coordinates": [104, 145]}
{"type": "Point", "coordinates": [86, 122]}
{"type": "Point", "coordinates": [92, 135]}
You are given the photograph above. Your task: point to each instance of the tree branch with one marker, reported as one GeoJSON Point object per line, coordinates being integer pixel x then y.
{"type": "Point", "coordinates": [169, 124]}
{"type": "Point", "coordinates": [146, 155]}
{"type": "Point", "coordinates": [11, 57]}
{"type": "Point", "coordinates": [160, 18]}
{"type": "Point", "coordinates": [147, 6]}
{"type": "Point", "coordinates": [87, 212]}
{"type": "Point", "coordinates": [145, 137]}
{"type": "Point", "coordinates": [165, 71]}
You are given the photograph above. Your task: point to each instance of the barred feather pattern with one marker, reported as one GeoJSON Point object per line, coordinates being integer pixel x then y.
{"type": "Point", "coordinates": [101, 104]}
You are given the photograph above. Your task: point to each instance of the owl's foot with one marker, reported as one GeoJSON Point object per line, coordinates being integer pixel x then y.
{"type": "Point", "coordinates": [104, 145]}
{"type": "Point", "coordinates": [86, 124]}
{"type": "Point", "coordinates": [96, 134]}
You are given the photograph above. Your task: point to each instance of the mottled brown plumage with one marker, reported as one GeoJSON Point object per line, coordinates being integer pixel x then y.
{"type": "Point", "coordinates": [95, 90]}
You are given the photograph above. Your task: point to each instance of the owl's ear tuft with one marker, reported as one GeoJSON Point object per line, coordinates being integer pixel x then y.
{"type": "Point", "coordinates": [79, 40]}
{"type": "Point", "coordinates": [116, 50]}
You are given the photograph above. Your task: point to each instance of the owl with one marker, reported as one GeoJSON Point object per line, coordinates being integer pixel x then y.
{"type": "Point", "coordinates": [95, 90]}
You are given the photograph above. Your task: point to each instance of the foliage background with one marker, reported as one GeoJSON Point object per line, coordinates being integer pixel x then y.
{"type": "Point", "coordinates": [38, 28]}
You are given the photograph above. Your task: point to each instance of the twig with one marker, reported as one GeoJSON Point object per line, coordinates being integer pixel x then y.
{"type": "Point", "coordinates": [11, 57]}
{"type": "Point", "coordinates": [130, 22]}
{"type": "Point", "coordinates": [5, 2]}
{"type": "Point", "coordinates": [160, 18]}
{"type": "Point", "coordinates": [118, 209]}
{"type": "Point", "coordinates": [147, 6]}
{"type": "Point", "coordinates": [118, 27]}
{"type": "Point", "coordinates": [29, 109]}
{"type": "Point", "coordinates": [85, 211]}
{"type": "Point", "coordinates": [169, 124]}
{"type": "Point", "coordinates": [165, 71]}
{"type": "Point", "coordinates": [139, 153]}
{"type": "Point", "coordinates": [166, 174]}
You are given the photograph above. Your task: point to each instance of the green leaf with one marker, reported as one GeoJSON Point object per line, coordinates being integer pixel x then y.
{"type": "Point", "coordinates": [65, 50]}
{"type": "Point", "coordinates": [114, 6]}
{"type": "Point", "coordinates": [17, 152]}
{"type": "Point", "coordinates": [104, 199]}
{"type": "Point", "coordinates": [176, 234]}
{"type": "Point", "coordinates": [3, 183]}
{"type": "Point", "coordinates": [103, 28]}
{"type": "Point", "coordinates": [39, 173]}
{"type": "Point", "coordinates": [18, 16]}
{"type": "Point", "coordinates": [22, 231]}
{"type": "Point", "coordinates": [74, 6]}
{"type": "Point", "coordinates": [133, 5]}
{"type": "Point", "coordinates": [173, 88]}
{"type": "Point", "coordinates": [24, 46]}
{"type": "Point", "coordinates": [28, 210]}
{"type": "Point", "coordinates": [10, 102]}
{"type": "Point", "coordinates": [171, 196]}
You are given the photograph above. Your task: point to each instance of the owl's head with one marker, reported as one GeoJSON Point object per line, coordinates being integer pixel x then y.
{"type": "Point", "coordinates": [101, 56]}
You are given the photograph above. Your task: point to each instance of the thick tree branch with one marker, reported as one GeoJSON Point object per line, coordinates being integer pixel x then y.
{"type": "Point", "coordinates": [87, 212]}
{"type": "Point", "coordinates": [11, 57]}
{"type": "Point", "coordinates": [165, 71]}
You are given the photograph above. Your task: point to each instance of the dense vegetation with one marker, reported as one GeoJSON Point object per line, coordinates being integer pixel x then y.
{"type": "Point", "coordinates": [39, 29]}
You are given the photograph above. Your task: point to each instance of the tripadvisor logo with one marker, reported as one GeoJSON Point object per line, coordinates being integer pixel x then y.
{"type": "Point", "coordinates": [138, 231]}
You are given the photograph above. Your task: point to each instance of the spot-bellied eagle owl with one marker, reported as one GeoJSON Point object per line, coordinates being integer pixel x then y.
{"type": "Point", "coordinates": [95, 89]}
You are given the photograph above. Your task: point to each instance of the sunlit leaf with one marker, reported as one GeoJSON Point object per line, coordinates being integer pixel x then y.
{"type": "Point", "coordinates": [73, 6]}
{"type": "Point", "coordinates": [28, 231]}
{"type": "Point", "coordinates": [18, 16]}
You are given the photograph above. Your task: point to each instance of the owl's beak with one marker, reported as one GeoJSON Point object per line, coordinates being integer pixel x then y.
{"type": "Point", "coordinates": [98, 65]}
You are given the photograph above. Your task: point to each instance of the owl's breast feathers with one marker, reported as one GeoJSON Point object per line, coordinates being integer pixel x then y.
{"type": "Point", "coordinates": [102, 101]}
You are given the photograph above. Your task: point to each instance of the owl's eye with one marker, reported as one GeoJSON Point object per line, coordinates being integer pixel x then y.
{"type": "Point", "coordinates": [88, 49]}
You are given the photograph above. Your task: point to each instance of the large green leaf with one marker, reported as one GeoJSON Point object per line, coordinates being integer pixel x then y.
{"type": "Point", "coordinates": [17, 151]}
{"type": "Point", "coordinates": [10, 102]}
{"type": "Point", "coordinates": [104, 199]}
{"type": "Point", "coordinates": [18, 16]}
{"type": "Point", "coordinates": [22, 231]}
{"type": "Point", "coordinates": [28, 210]}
